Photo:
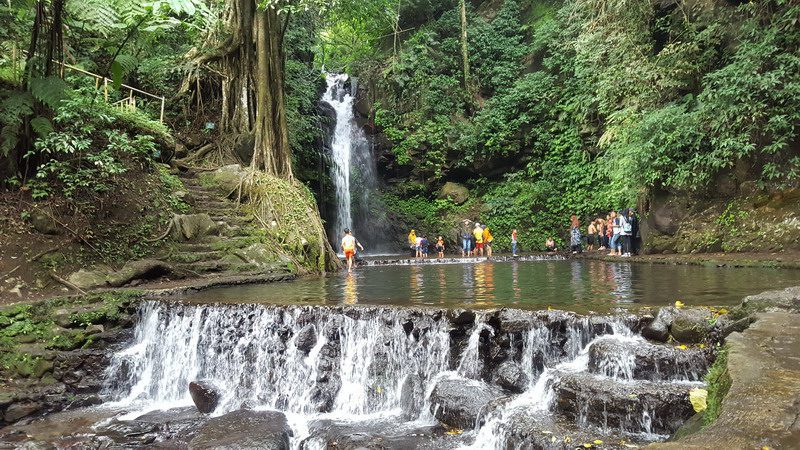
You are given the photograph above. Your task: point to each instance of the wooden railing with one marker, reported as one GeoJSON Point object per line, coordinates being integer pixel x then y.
{"type": "Point", "coordinates": [127, 103]}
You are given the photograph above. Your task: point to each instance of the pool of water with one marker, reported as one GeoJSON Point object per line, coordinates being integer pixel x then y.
{"type": "Point", "coordinates": [576, 285]}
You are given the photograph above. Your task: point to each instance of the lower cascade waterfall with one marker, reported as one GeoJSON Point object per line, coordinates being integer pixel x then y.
{"type": "Point", "coordinates": [520, 371]}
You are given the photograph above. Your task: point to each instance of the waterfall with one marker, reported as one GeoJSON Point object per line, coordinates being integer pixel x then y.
{"type": "Point", "coordinates": [359, 364]}
{"type": "Point", "coordinates": [352, 167]}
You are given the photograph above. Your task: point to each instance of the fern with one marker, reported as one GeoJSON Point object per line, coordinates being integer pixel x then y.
{"type": "Point", "coordinates": [50, 90]}
{"type": "Point", "coordinates": [15, 107]}
{"type": "Point", "coordinates": [42, 126]}
{"type": "Point", "coordinates": [121, 67]}
{"type": "Point", "coordinates": [100, 15]}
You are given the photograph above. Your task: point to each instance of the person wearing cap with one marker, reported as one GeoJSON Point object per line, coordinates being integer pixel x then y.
{"type": "Point", "coordinates": [349, 248]}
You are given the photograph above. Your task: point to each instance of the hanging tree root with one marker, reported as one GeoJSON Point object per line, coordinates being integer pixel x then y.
{"type": "Point", "coordinates": [166, 232]}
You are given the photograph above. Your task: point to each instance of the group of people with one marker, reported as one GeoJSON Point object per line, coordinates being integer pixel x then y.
{"type": "Point", "coordinates": [478, 240]}
{"type": "Point", "coordinates": [618, 232]}
{"type": "Point", "coordinates": [420, 245]}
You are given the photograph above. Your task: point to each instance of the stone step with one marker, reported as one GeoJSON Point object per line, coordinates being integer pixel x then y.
{"type": "Point", "coordinates": [632, 407]}
{"type": "Point", "coordinates": [210, 243]}
{"type": "Point", "coordinates": [195, 256]}
{"type": "Point", "coordinates": [206, 267]}
{"type": "Point", "coordinates": [638, 359]}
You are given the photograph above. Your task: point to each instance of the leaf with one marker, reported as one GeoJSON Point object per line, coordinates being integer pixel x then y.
{"type": "Point", "coordinates": [454, 431]}
{"type": "Point", "coordinates": [597, 442]}
{"type": "Point", "coordinates": [678, 304]}
{"type": "Point", "coordinates": [681, 347]}
{"type": "Point", "coordinates": [697, 397]}
{"type": "Point", "coordinates": [50, 90]}
{"type": "Point", "coordinates": [121, 67]}
{"type": "Point", "coordinates": [42, 126]}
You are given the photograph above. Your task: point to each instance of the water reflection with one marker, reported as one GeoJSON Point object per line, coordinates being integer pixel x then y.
{"type": "Point", "coordinates": [350, 290]}
{"type": "Point", "coordinates": [574, 285]}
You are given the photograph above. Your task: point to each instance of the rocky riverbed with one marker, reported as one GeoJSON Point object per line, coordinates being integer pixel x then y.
{"type": "Point", "coordinates": [359, 377]}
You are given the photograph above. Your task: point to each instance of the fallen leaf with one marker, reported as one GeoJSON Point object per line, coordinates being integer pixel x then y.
{"type": "Point", "coordinates": [587, 445]}
{"type": "Point", "coordinates": [567, 439]}
{"type": "Point", "coordinates": [681, 347]}
{"type": "Point", "coordinates": [678, 304]}
{"type": "Point", "coordinates": [597, 442]}
{"type": "Point", "coordinates": [698, 398]}
{"type": "Point", "coordinates": [702, 346]}
{"type": "Point", "coordinates": [454, 431]}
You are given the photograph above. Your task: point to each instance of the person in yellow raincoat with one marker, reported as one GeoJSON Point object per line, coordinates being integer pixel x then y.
{"type": "Point", "coordinates": [487, 241]}
{"type": "Point", "coordinates": [412, 241]}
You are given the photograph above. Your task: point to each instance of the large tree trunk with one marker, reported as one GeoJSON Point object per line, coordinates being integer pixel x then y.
{"type": "Point", "coordinates": [464, 53]}
{"type": "Point", "coordinates": [253, 90]}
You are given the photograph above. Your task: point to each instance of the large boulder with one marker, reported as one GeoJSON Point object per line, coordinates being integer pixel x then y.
{"type": "Point", "coordinates": [43, 222]}
{"type": "Point", "coordinates": [89, 278]}
{"type": "Point", "coordinates": [457, 193]}
{"type": "Point", "coordinates": [192, 226]}
{"type": "Point", "coordinates": [226, 179]}
{"type": "Point", "coordinates": [143, 269]}
{"type": "Point", "coordinates": [244, 429]}
{"type": "Point", "coordinates": [205, 395]}
{"type": "Point", "coordinates": [780, 300]}
{"type": "Point", "coordinates": [692, 325]}
{"type": "Point", "coordinates": [606, 402]}
{"type": "Point", "coordinates": [510, 376]}
{"type": "Point", "coordinates": [458, 402]}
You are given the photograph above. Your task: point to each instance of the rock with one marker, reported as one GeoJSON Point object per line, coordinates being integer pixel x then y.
{"type": "Point", "coordinates": [204, 395]}
{"type": "Point", "coordinates": [41, 367]}
{"type": "Point", "coordinates": [515, 321]}
{"type": "Point", "coordinates": [412, 393]}
{"type": "Point", "coordinates": [645, 361]}
{"type": "Point", "coordinates": [17, 411]}
{"type": "Point", "coordinates": [781, 300]}
{"type": "Point", "coordinates": [461, 317]}
{"type": "Point", "coordinates": [658, 329]}
{"type": "Point", "coordinates": [457, 193]}
{"type": "Point", "coordinates": [143, 269]}
{"type": "Point", "coordinates": [691, 325]}
{"type": "Point", "coordinates": [192, 226]}
{"type": "Point", "coordinates": [228, 178]}
{"type": "Point", "coordinates": [605, 402]}
{"type": "Point", "coordinates": [88, 279]}
{"type": "Point", "coordinates": [510, 376]}
{"type": "Point", "coordinates": [44, 223]}
{"type": "Point", "coordinates": [258, 253]}
{"type": "Point", "coordinates": [306, 338]}
{"type": "Point", "coordinates": [93, 329]}
{"type": "Point", "coordinates": [459, 402]}
{"type": "Point", "coordinates": [244, 429]}
{"type": "Point", "coordinates": [727, 326]}
{"type": "Point", "coordinates": [667, 214]}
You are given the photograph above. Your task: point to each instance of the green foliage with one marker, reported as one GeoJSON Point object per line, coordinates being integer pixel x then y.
{"type": "Point", "coordinates": [719, 382]}
{"type": "Point", "coordinates": [430, 218]}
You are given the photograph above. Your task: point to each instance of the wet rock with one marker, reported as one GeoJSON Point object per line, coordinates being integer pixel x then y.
{"type": "Point", "coordinates": [515, 321]}
{"type": "Point", "coordinates": [375, 434]}
{"type": "Point", "coordinates": [204, 395]}
{"type": "Point", "coordinates": [658, 329]}
{"type": "Point", "coordinates": [17, 411]}
{"type": "Point", "coordinates": [94, 329]}
{"type": "Point", "coordinates": [324, 392]}
{"type": "Point", "coordinates": [306, 338]}
{"type": "Point", "coordinates": [781, 300]}
{"type": "Point", "coordinates": [244, 429]}
{"type": "Point", "coordinates": [461, 317]}
{"type": "Point", "coordinates": [510, 376]}
{"type": "Point", "coordinates": [647, 361]}
{"type": "Point", "coordinates": [411, 396]}
{"type": "Point", "coordinates": [726, 326]}
{"type": "Point", "coordinates": [691, 325]}
{"type": "Point", "coordinates": [605, 402]}
{"type": "Point", "coordinates": [526, 429]}
{"type": "Point", "coordinates": [459, 402]}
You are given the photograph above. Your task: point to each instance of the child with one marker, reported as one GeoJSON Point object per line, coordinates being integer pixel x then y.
{"type": "Point", "coordinates": [550, 245]}
{"type": "Point", "coordinates": [514, 242]}
{"type": "Point", "coordinates": [440, 247]}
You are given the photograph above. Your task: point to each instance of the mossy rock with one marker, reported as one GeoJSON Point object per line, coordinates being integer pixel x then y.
{"type": "Point", "coordinates": [691, 325]}
{"type": "Point", "coordinates": [457, 193]}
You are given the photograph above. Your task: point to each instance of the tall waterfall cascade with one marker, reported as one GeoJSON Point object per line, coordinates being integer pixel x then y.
{"type": "Point", "coordinates": [360, 365]}
{"type": "Point", "coordinates": [352, 168]}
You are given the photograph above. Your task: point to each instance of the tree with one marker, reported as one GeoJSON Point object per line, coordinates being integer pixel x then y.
{"type": "Point", "coordinates": [464, 53]}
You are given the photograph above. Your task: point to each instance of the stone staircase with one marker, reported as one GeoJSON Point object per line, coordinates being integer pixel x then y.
{"type": "Point", "coordinates": [229, 241]}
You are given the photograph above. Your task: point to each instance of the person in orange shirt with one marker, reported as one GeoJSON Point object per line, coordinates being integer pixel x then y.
{"type": "Point", "coordinates": [349, 243]}
{"type": "Point", "coordinates": [487, 240]}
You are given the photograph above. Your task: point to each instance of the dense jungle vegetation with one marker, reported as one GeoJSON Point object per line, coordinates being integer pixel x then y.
{"type": "Point", "coordinates": [546, 109]}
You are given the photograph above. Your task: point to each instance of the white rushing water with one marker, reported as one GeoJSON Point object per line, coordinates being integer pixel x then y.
{"type": "Point", "coordinates": [352, 168]}
{"type": "Point", "coordinates": [353, 365]}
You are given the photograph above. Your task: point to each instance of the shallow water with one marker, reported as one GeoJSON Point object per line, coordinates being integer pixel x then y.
{"type": "Point", "coordinates": [576, 285]}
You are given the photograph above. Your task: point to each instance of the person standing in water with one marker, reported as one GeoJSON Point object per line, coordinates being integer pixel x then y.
{"type": "Point", "coordinates": [440, 247]}
{"type": "Point", "coordinates": [487, 240]}
{"type": "Point", "coordinates": [478, 233]}
{"type": "Point", "coordinates": [349, 248]}
{"type": "Point", "coordinates": [412, 241]}
{"type": "Point", "coordinates": [514, 242]}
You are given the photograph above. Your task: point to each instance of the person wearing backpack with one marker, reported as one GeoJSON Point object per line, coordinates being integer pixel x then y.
{"type": "Point", "coordinates": [625, 232]}
{"type": "Point", "coordinates": [616, 228]}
